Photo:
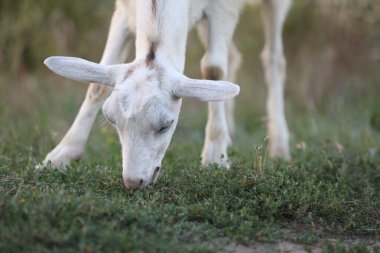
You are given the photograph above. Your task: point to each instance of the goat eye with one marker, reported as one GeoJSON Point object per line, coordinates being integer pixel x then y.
{"type": "Point", "coordinates": [164, 127]}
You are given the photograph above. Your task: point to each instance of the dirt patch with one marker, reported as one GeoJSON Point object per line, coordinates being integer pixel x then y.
{"type": "Point", "coordinates": [287, 246]}
{"type": "Point", "coordinates": [281, 246]}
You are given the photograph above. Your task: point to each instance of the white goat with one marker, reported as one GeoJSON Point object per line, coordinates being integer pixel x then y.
{"type": "Point", "coordinates": [143, 98]}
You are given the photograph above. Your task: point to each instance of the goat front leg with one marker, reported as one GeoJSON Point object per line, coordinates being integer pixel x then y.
{"type": "Point", "coordinates": [73, 143]}
{"type": "Point", "coordinates": [221, 122]}
{"type": "Point", "coordinates": [216, 35]}
{"type": "Point", "coordinates": [274, 15]}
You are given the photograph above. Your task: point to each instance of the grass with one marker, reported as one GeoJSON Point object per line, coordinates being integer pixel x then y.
{"type": "Point", "coordinates": [87, 208]}
{"type": "Point", "coordinates": [190, 209]}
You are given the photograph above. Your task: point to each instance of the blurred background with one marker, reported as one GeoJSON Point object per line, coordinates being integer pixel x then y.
{"type": "Point", "coordinates": [332, 90]}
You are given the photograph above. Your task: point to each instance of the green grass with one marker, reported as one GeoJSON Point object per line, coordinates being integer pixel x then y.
{"type": "Point", "coordinates": [87, 208]}
{"type": "Point", "coordinates": [190, 208]}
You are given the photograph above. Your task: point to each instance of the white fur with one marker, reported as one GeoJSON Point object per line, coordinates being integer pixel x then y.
{"type": "Point", "coordinates": [147, 93]}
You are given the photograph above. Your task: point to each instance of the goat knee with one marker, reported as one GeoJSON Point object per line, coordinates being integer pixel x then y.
{"type": "Point", "coordinates": [212, 73]}
{"type": "Point", "coordinates": [98, 92]}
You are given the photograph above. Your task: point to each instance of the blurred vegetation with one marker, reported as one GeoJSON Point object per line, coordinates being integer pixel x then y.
{"type": "Point", "coordinates": [330, 44]}
{"type": "Point", "coordinates": [32, 30]}
{"type": "Point", "coordinates": [333, 49]}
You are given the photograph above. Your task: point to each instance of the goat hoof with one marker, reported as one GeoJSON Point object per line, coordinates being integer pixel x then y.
{"type": "Point", "coordinates": [215, 153]}
{"type": "Point", "coordinates": [60, 157]}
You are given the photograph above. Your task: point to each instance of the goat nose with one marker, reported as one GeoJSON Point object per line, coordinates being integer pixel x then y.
{"type": "Point", "coordinates": [133, 183]}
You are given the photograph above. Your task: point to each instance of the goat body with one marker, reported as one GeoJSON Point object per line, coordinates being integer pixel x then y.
{"type": "Point", "coordinates": [142, 99]}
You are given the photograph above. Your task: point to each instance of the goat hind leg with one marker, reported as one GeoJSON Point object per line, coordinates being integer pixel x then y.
{"type": "Point", "coordinates": [73, 143]}
{"type": "Point", "coordinates": [234, 62]}
{"type": "Point", "coordinates": [274, 14]}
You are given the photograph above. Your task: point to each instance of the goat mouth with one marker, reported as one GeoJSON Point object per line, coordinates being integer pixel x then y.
{"type": "Point", "coordinates": [155, 174]}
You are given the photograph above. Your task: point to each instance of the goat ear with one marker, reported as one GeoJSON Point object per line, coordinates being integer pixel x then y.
{"type": "Point", "coordinates": [205, 90]}
{"type": "Point", "coordinates": [81, 70]}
